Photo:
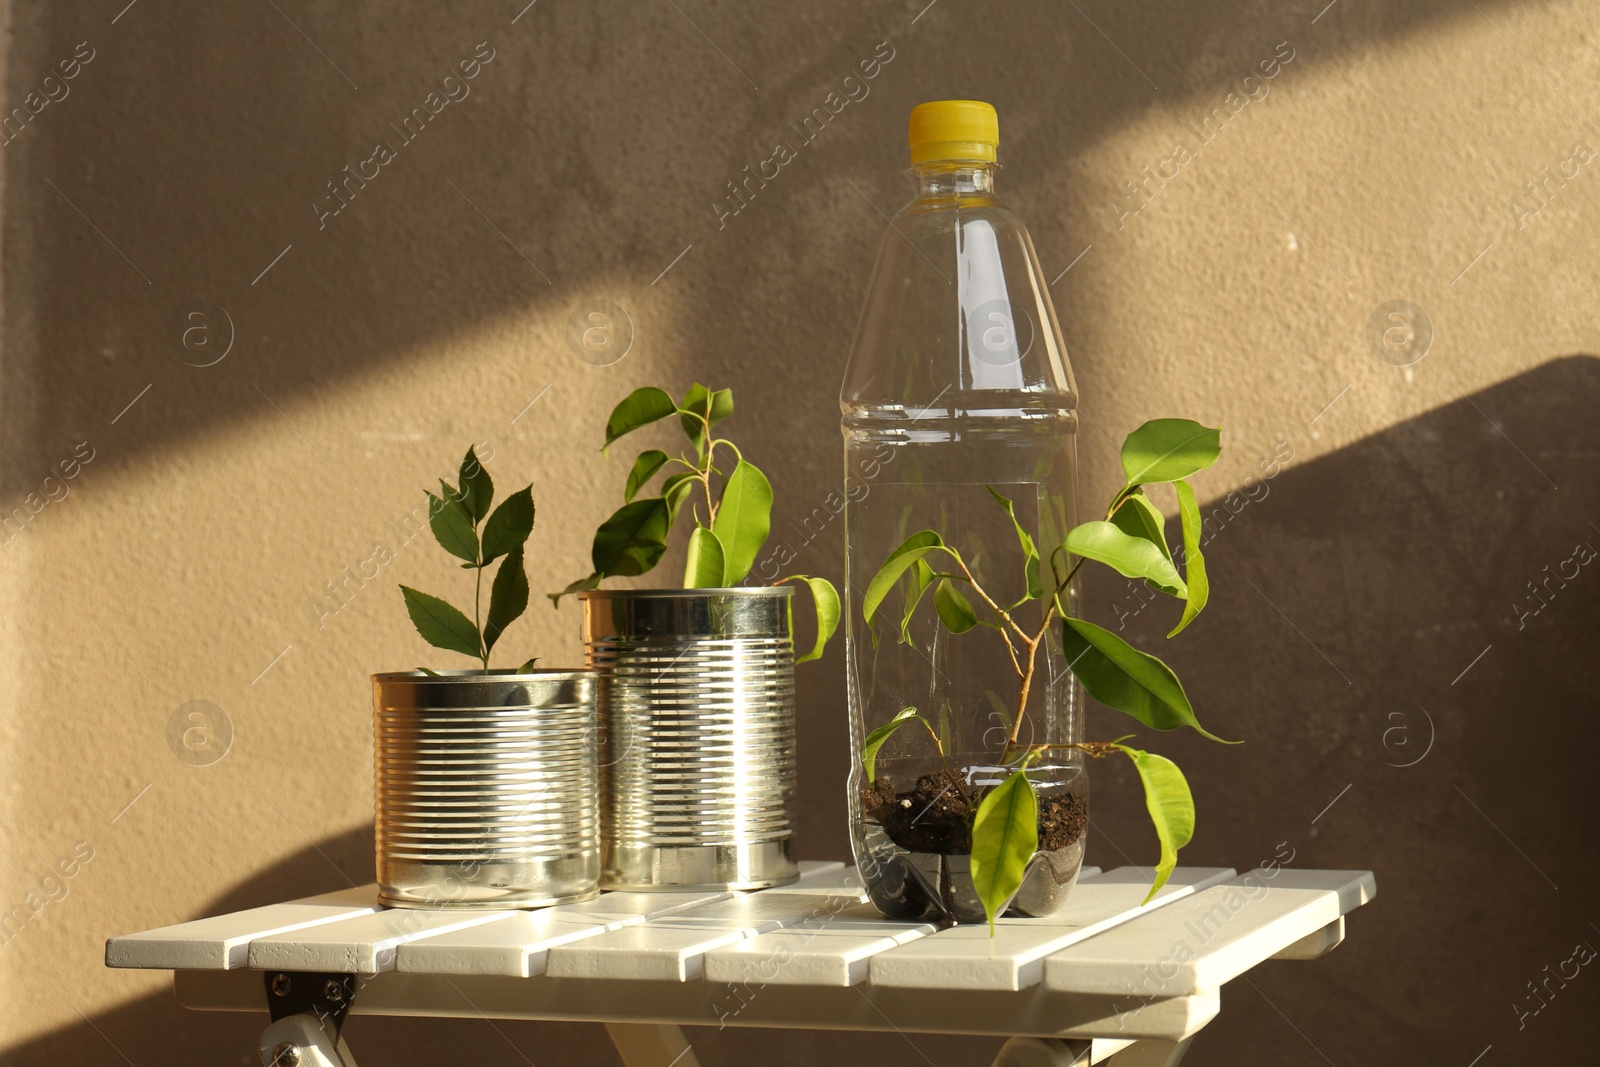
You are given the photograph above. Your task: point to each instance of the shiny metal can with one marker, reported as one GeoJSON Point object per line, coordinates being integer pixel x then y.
{"type": "Point", "coordinates": [486, 788]}
{"type": "Point", "coordinates": [697, 776]}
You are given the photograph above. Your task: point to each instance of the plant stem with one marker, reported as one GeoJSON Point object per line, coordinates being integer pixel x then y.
{"type": "Point", "coordinates": [1031, 642]}
{"type": "Point", "coordinates": [477, 612]}
{"type": "Point", "coordinates": [705, 480]}
{"type": "Point", "coordinates": [1095, 749]}
{"type": "Point", "coordinates": [704, 473]}
{"type": "Point", "coordinates": [1022, 693]}
{"type": "Point", "coordinates": [999, 612]}
{"type": "Point", "coordinates": [1003, 615]}
{"type": "Point", "coordinates": [951, 775]}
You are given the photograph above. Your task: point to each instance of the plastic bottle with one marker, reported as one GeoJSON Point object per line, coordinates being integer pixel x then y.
{"type": "Point", "coordinates": [958, 383]}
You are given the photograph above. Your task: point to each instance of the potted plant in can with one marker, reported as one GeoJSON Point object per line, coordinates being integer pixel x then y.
{"type": "Point", "coordinates": [487, 779]}
{"type": "Point", "coordinates": [696, 683]}
{"type": "Point", "coordinates": [1006, 830]}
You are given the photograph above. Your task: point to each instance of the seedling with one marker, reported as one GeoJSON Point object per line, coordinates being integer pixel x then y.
{"type": "Point", "coordinates": [465, 528]}
{"type": "Point", "coordinates": [731, 514]}
{"type": "Point", "coordinates": [1130, 540]}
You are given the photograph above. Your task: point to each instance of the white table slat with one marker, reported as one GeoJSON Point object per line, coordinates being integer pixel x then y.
{"type": "Point", "coordinates": [965, 957]}
{"type": "Point", "coordinates": [673, 948]}
{"type": "Point", "coordinates": [821, 957]}
{"type": "Point", "coordinates": [518, 946]}
{"type": "Point", "coordinates": [363, 945]}
{"type": "Point", "coordinates": [624, 908]}
{"type": "Point", "coordinates": [1210, 937]}
{"type": "Point", "coordinates": [825, 953]}
{"type": "Point", "coordinates": [521, 947]}
{"type": "Point", "coordinates": [222, 942]}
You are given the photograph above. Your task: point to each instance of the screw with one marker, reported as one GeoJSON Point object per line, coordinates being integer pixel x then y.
{"type": "Point", "coordinates": [286, 1055]}
{"type": "Point", "coordinates": [334, 990]}
{"type": "Point", "coordinates": [281, 985]}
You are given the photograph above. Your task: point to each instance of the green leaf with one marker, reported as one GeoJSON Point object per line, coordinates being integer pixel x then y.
{"type": "Point", "coordinates": [644, 468]}
{"type": "Point", "coordinates": [452, 526]}
{"type": "Point", "coordinates": [875, 740]}
{"type": "Point", "coordinates": [921, 579]}
{"type": "Point", "coordinates": [706, 563]}
{"type": "Point", "coordinates": [1138, 517]}
{"type": "Point", "coordinates": [1164, 450]}
{"type": "Point", "coordinates": [1005, 835]}
{"type": "Point", "coordinates": [911, 550]}
{"type": "Point", "coordinates": [1030, 551]}
{"type": "Point", "coordinates": [744, 518]}
{"type": "Point", "coordinates": [633, 539]}
{"type": "Point", "coordinates": [955, 610]}
{"type": "Point", "coordinates": [1171, 807]}
{"type": "Point", "coordinates": [591, 582]}
{"type": "Point", "coordinates": [639, 408]}
{"type": "Point", "coordinates": [1121, 677]}
{"type": "Point", "coordinates": [1194, 564]}
{"type": "Point", "coordinates": [508, 598]}
{"type": "Point", "coordinates": [677, 489]}
{"type": "Point", "coordinates": [509, 526]}
{"type": "Point", "coordinates": [1133, 557]}
{"type": "Point", "coordinates": [477, 488]}
{"type": "Point", "coordinates": [715, 406]}
{"type": "Point", "coordinates": [527, 665]}
{"type": "Point", "coordinates": [825, 599]}
{"type": "Point", "coordinates": [441, 625]}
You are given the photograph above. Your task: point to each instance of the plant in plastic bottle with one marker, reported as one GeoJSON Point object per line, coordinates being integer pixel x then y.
{"type": "Point", "coordinates": [970, 783]}
{"type": "Point", "coordinates": [1005, 816]}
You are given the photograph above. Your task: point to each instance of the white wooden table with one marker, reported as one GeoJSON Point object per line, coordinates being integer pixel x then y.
{"type": "Point", "coordinates": [1105, 981]}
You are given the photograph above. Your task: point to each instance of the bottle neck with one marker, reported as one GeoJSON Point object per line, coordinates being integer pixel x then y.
{"type": "Point", "coordinates": [946, 178]}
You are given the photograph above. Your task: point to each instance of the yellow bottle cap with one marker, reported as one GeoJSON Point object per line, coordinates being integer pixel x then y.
{"type": "Point", "coordinates": [954, 130]}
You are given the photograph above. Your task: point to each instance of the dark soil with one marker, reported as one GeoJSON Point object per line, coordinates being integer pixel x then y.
{"type": "Point", "coordinates": [935, 816]}
{"type": "Point", "coordinates": [1062, 819]}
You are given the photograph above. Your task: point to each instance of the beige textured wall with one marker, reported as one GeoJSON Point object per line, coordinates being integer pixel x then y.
{"type": "Point", "coordinates": [1413, 507]}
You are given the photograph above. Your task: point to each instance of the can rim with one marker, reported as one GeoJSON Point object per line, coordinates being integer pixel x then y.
{"type": "Point", "coordinates": [688, 594]}
{"type": "Point", "coordinates": [494, 675]}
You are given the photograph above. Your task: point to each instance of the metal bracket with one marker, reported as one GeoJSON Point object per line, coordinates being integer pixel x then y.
{"type": "Point", "coordinates": [308, 1010]}
{"type": "Point", "coordinates": [326, 996]}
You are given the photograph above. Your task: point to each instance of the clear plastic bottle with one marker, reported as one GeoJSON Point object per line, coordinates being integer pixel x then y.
{"type": "Point", "coordinates": [958, 383]}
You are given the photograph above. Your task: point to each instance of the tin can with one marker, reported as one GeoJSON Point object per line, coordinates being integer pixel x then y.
{"type": "Point", "coordinates": [698, 736]}
{"type": "Point", "coordinates": [487, 788]}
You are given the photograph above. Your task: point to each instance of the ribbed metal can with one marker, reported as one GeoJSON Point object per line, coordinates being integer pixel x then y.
{"type": "Point", "coordinates": [697, 776]}
{"type": "Point", "coordinates": [486, 788]}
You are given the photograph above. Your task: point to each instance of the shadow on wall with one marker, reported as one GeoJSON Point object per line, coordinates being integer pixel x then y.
{"type": "Point", "coordinates": [155, 1029]}
{"type": "Point", "coordinates": [196, 167]}
{"type": "Point", "coordinates": [1410, 673]}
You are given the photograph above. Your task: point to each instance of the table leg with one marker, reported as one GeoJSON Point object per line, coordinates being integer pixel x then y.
{"type": "Point", "coordinates": [1042, 1052]}
{"type": "Point", "coordinates": [1151, 1053]}
{"type": "Point", "coordinates": [652, 1045]}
